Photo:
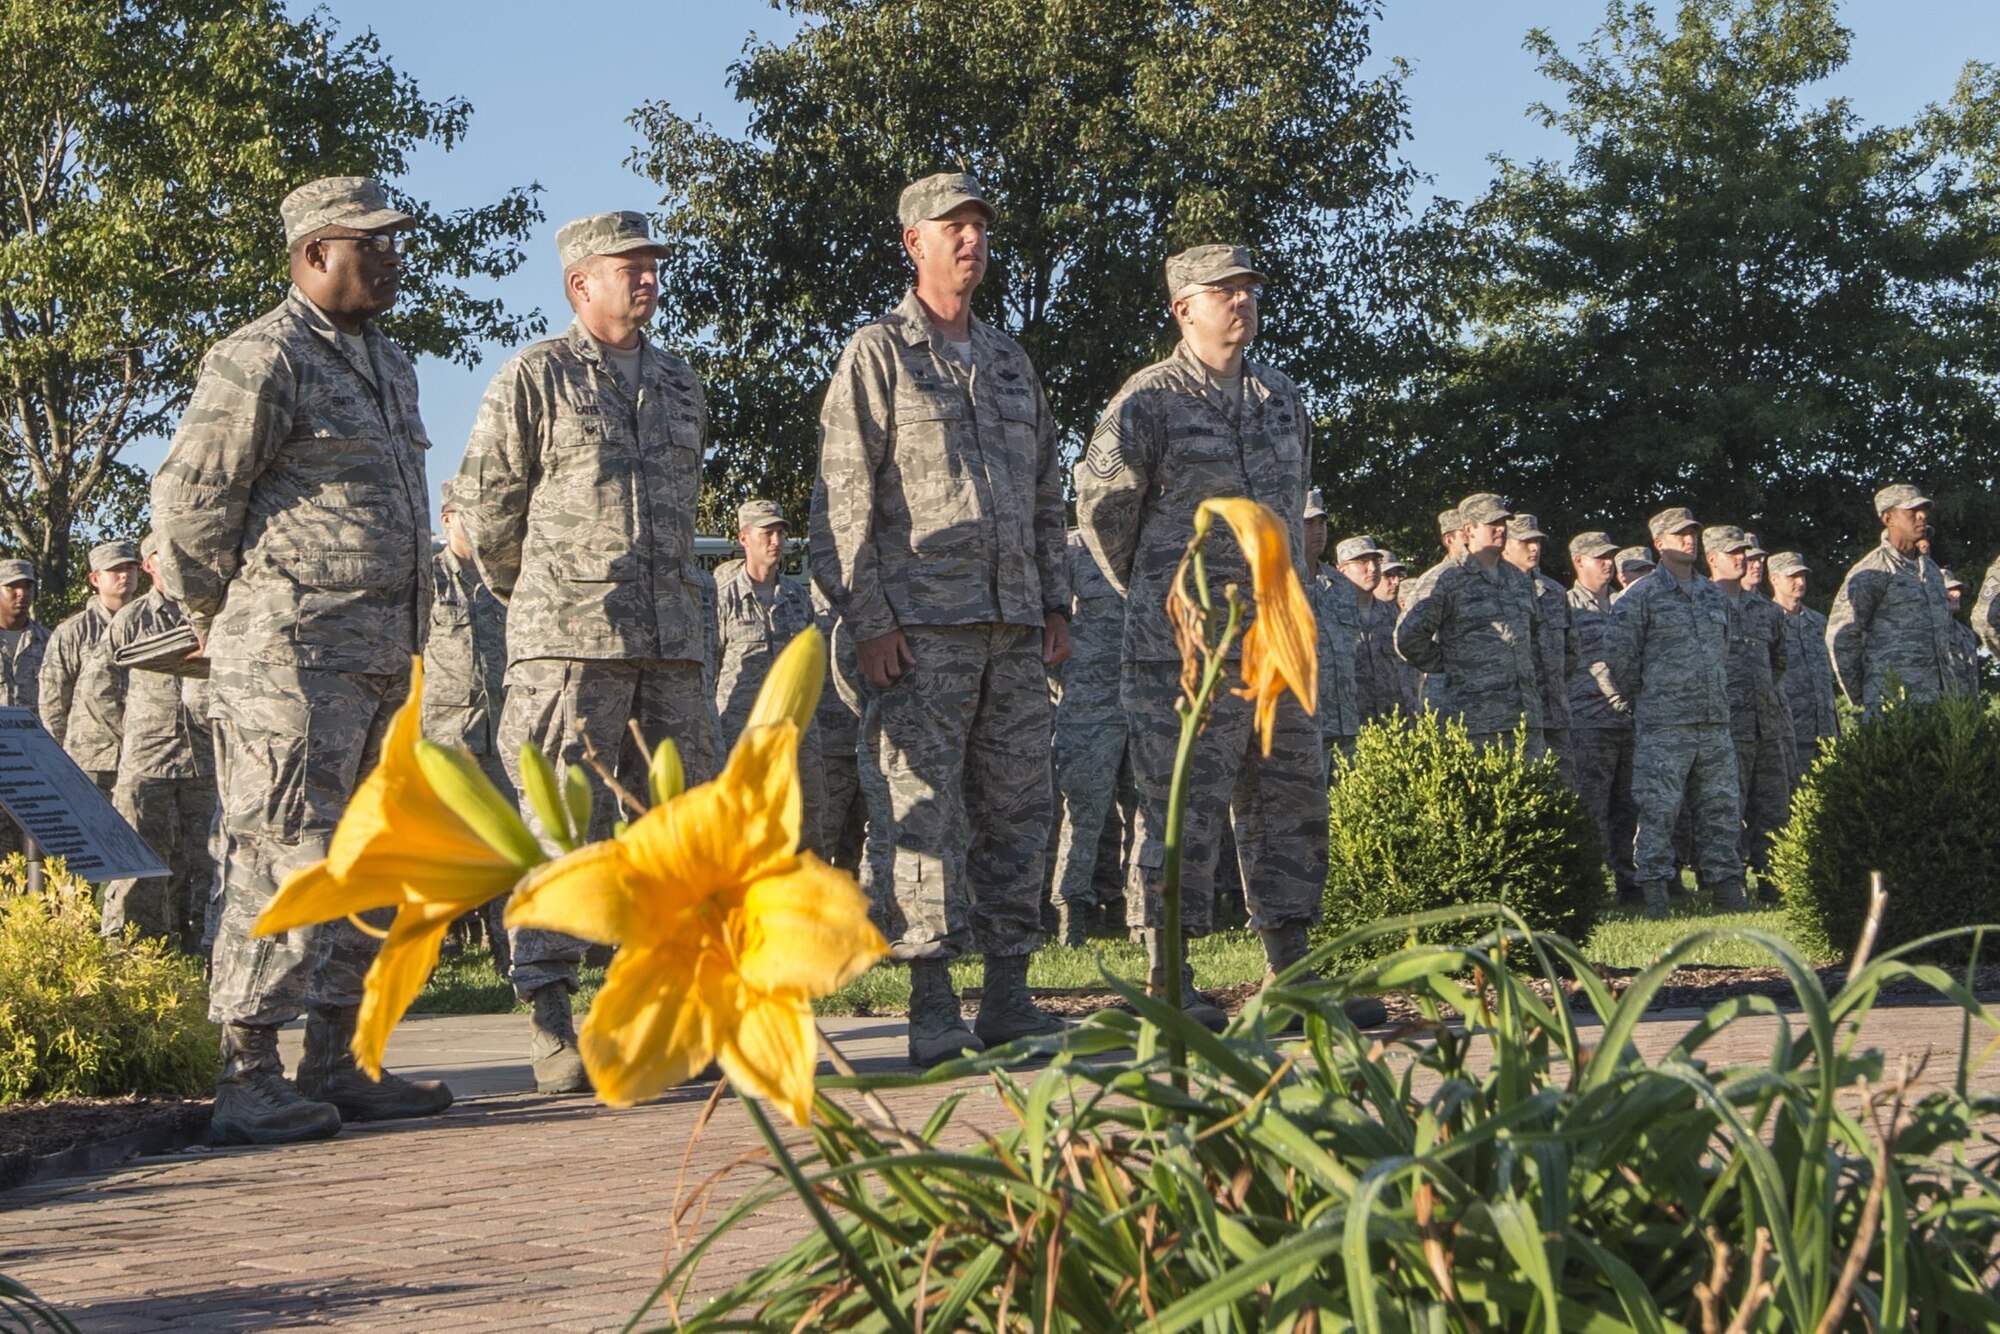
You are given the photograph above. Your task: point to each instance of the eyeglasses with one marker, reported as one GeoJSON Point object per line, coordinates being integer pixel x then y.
{"type": "Point", "coordinates": [382, 243]}
{"type": "Point", "coordinates": [1255, 291]}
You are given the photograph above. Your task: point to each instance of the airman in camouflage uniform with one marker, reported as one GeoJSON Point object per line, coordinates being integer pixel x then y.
{"type": "Point", "coordinates": [292, 526]}
{"type": "Point", "coordinates": [1986, 610]}
{"type": "Point", "coordinates": [79, 713]}
{"type": "Point", "coordinates": [166, 773]}
{"type": "Point", "coordinates": [1888, 628]}
{"type": "Point", "coordinates": [937, 535]}
{"type": "Point", "coordinates": [1384, 685]}
{"type": "Point", "coordinates": [24, 642]}
{"type": "Point", "coordinates": [1207, 422]}
{"type": "Point", "coordinates": [1964, 644]}
{"type": "Point", "coordinates": [1473, 626]}
{"type": "Point", "coordinates": [578, 496]}
{"type": "Point", "coordinates": [1669, 647]}
{"type": "Point", "coordinates": [465, 677]}
{"type": "Point", "coordinates": [1337, 614]}
{"type": "Point", "coordinates": [1601, 734]}
{"type": "Point", "coordinates": [757, 612]}
{"type": "Point", "coordinates": [1808, 683]}
{"type": "Point", "coordinates": [1631, 565]}
{"type": "Point", "coordinates": [1089, 738]}
{"type": "Point", "coordinates": [1555, 640]}
{"type": "Point", "coordinates": [1760, 729]}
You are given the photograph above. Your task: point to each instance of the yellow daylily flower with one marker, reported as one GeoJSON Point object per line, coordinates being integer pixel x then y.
{"type": "Point", "coordinates": [426, 834]}
{"type": "Point", "coordinates": [1281, 648]}
{"type": "Point", "coordinates": [726, 930]}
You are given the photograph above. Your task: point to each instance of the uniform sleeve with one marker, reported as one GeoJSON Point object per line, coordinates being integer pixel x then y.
{"type": "Point", "coordinates": [1781, 653]}
{"type": "Point", "coordinates": [58, 680]}
{"type": "Point", "coordinates": [502, 459]}
{"type": "Point", "coordinates": [1051, 537]}
{"type": "Point", "coordinates": [1112, 478]}
{"type": "Point", "coordinates": [1986, 611]}
{"type": "Point", "coordinates": [1847, 625]}
{"type": "Point", "coordinates": [1625, 645]}
{"type": "Point", "coordinates": [855, 422]}
{"type": "Point", "coordinates": [1417, 628]}
{"type": "Point", "coordinates": [241, 412]}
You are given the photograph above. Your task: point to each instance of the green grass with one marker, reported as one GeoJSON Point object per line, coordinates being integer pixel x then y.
{"type": "Point", "coordinates": [468, 984]}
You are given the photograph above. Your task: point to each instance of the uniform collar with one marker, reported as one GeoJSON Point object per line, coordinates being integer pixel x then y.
{"type": "Point", "coordinates": [587, 348]}
{"type": "Point", "coordinates": [911, 323]}
{"type": "Point", "coordinates": [1196, 377]}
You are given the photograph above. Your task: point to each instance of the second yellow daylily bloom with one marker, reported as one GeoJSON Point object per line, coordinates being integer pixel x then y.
{"type": "Point", "coordinates": [1281, 648]}
{"type": "Point", "coordinates": [726, 931]}
{"type": "Point", "coordinates": [426, 834]}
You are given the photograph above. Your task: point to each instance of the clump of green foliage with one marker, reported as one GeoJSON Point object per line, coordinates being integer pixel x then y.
{"type": "Point", "coordinates": [1911, 794]}
{"type": "Point", "coordinates": [1421, 818]}
{"type": "Point", "coordinates": [1509, 1162]}
{"type": "Point", "coordinates": [86, 1017]}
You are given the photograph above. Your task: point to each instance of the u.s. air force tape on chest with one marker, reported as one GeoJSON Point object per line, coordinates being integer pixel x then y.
{"type": "Point", "coordinates": [45, 793]}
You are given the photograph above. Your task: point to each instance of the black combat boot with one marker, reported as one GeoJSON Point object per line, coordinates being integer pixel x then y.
{"type": "Point", "coordinates": [1198, 1007]}
{"type": "Point", "coordinates": [937, 1027]}
{"type": "Point", "coordinates": [327, 1072]}
{"type": "Point", "coordinates": [1006, 1010]}
{"type": "Point", "coordinates": [255, 1103]}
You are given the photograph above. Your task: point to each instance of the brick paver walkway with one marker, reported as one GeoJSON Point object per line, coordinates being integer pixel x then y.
{"type": "Point", "coordinates": [510, 1212]}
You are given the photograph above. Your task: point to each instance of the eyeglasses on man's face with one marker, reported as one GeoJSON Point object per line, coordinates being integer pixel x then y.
{"type": "Point", "coordinates": [382, 243]}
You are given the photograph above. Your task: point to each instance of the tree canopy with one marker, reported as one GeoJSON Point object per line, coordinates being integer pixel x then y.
{"type": "Point", "coordinates": [1733, 296]}
{"type": "Point", "coordinates": [146, 145]}
{"type": "Point", "coordinates": [1109, 133]}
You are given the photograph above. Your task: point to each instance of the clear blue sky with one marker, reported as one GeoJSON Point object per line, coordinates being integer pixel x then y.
{"type": "Point", "coordinates": [551, 89]}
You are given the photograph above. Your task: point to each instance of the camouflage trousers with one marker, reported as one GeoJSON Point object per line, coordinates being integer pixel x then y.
{"type": "Point", "coordinates": [547, 698]}
{"type": "Point", "coordinates": [291, 744]}
{"type": "Point", "coordinates": [1089, 751]}
{"type": "Point", "coordinates": [842, 822]}
{"type": "Point", "coordinates": [954, 862]}
{"type": "Point", "coordinates": [1805, 749]}
{"type": "Point", "coordinates": [1602, 760]}
{"type": "Point", "coordinates": [1764, 781]}
{"type": "Point", "coordinates": [1276, 803]}
{"type": "Point", "coordinates": [1698, 762]}
{"type": "Point", "coordinates": [173, 815]}
{"type": "Point", "coordinates": [1561, 743]}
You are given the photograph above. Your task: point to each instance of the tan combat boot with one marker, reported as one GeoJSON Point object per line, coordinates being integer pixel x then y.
{"type": "Point", "coordinates": [255, 1103]}
{"type": "Point", "coordinates": [327, 1073]}
{"type": "Point", "coordinates": [552, 1049]}
{"type": "Point", "coordinates": [937, 1027]}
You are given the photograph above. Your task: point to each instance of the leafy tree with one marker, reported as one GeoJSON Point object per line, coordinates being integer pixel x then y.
{"type": "Point", "coordinates": [1731, 297]}
{"type": "Point", "coordinates": [146, 144]}
{"type": "Point", "coordinates": [1110, 134]}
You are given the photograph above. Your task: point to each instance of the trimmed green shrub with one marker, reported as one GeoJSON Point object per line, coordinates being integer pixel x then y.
{"type": "Point", "coordinates": [86, 1017]}
{"type": "Point", "coordinates": [1545, 1174]}
{"type": "Point", "coordinates": [1422, 819]}
{"type": "Point", "coordinates": [1915, 795]}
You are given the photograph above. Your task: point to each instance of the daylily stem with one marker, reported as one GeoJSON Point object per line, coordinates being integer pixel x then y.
{"type": "Point", "coordinates": [1194, 712]}
{"type": "Point", "coordinates": [885, 1303]}
{"type": "Point", "coordinates": [836, 1058]}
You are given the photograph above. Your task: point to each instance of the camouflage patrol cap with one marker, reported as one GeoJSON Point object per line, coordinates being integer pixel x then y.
{"type": "Point", "coordinates": [1356, 548]}
{"type": "Point", "coordinates": [358, 202]}
{"type": "Point", "coordinates": [110, 555]}
{"type": "Point", "coordinates": [1756, 551]}
{"type": "Point", "coordinates": [1315, 505]}
{"type": "Point", "coordinates": [1392, 563]}
{"type": "Point", "coordinates": [16, 572]}
{"type": "Point", "coordinates": [1198, 266]}
{"type": "Point", "coordinates": [1592, 544]}
{"type": "Point", "coordinates": [1725, 538]}
{"type": "Point", "coordinates": [1787, 562]}
{"type": "Point", "coordinates": [1525, 528]}
{"type": "Point", "coordinates": [935, 196]}
{"type": "Point", "coordinates": [622, 233]}
{"type": "Point", "coordinates": [760, 514]}
{"type": "Point", "coordinates": [1448, 522]}
{"type": "Point", "coordinates": [1632, 558]}
{"type": "Point", "coordinates": [1676, 520]}
{"type": "Point", "coordinates": [149, 545]}
{"type": "Point", "coordinates": [1483, 507]}
{"type": "Point", "coordinates": [1952, 581]}
{"type": "Point", "coordinates": [447, 496]}
{"type": "Point", "coordinates": [1901, 496]}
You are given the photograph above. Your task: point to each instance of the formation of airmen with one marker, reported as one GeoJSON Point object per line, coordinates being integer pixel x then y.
{"type": "Point", "coordinates": [986, 660]}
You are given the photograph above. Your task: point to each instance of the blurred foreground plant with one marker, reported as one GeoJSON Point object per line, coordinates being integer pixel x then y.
{"type": "Point", "coordinates": [1506, 1163]}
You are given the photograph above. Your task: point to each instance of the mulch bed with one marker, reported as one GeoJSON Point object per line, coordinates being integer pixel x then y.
{"type": "Point", "coordinates": [36, 1130]}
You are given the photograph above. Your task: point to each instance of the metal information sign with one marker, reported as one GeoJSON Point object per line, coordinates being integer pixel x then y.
{"type": "Point", "coordinates": [57, 806]}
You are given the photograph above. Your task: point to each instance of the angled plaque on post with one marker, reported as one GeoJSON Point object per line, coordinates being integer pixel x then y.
{"type": "Point", "coordinates": [61, 810]}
